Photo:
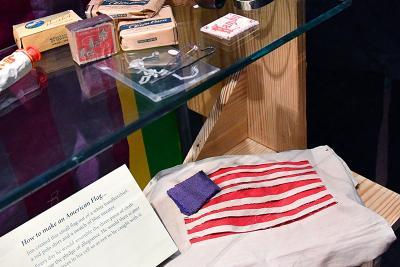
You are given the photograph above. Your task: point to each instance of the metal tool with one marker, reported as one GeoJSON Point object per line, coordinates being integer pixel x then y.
{"type": "Point", "coordinates": [184, 59]}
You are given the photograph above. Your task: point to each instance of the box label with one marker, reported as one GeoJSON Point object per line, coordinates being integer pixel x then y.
{"type": "Point", "coordinates": [95, 42]}
{"type": "Point", "coordinates": [145, 23]}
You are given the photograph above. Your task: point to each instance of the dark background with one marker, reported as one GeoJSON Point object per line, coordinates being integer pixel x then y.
{"type": "Point", "coordinates": [353, 73]}
{"type": "Point", "coordinates": [353, 91]}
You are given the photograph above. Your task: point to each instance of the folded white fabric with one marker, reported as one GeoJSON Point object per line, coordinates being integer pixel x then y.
{"type": "Point", "coordinates": [295, 208]}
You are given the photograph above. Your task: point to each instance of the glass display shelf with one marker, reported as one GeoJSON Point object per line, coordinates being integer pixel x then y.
{"type": "Point", "coordinates": [61, 114]}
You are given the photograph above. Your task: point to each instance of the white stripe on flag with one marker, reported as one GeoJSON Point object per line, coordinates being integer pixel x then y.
{"type": "Point", "coordinates": [250, 212]}
{"type": "Point", "coordinates": [252, 178]}
{"type": "Point", "coordinates": [254, 200]}
{"type": "Point", "coordinates": [267, 183]}
{"type": "Point", "coordinates": [259, 226]}
{"type": "Point", "coordinates": [259, 169]}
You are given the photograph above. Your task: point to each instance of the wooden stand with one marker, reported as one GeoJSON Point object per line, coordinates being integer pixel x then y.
{"type": "Point", "coordinates": [232, 125]}
{"type": "Point", "coordinates": [227, 131]}
{"type": "Point", "coordinates": [263, 107]}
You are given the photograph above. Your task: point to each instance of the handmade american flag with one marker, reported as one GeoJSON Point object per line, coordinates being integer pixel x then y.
{"type": "Point", "coordinates": [259, 197]}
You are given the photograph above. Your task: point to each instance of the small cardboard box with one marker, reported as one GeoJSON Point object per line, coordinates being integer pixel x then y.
{"type": "Point", "coordinates": [44, 33]}
{"type": "Point", "coordinates": [159, 30]}
{"type": "Point", "coordinates": [230, 26]}
{"type": "Point", "coordinates": [130, 9]}
{"type": "Point", "coordinates": [92, 39]}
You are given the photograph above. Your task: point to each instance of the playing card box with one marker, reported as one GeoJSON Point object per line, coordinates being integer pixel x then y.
{"type": "Point", "coordinates": [92, 39]}
{"type": "Point", "coordinates": [230, 27]}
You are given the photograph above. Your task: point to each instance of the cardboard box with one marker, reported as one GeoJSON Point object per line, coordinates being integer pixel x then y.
{"type": "Point", "coordinates": [130, 9]}
{"type": "Point", "coordinates": [44, 33]}
{"type": "Point", "coordinates": [92, 39]}
{"type": "Point", "coordinates": [92, 8]}
{"type": "Point", "coordinates": [157, 31]}
{"type": "Point", "coordinates": [229, 26]}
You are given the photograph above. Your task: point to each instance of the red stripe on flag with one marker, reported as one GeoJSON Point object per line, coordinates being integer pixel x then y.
{"type": "Point", "coordinates": [260, 192]}
{"type": "Point", "coordinates": [272, 179]}
{"type": "Point", "coordinates": [257, 174]}
{"type": "Point", "coordinates": [266, 165]}
{"type": "Point", "coordinates": [255, 219]}
{"type": "Point", "coordinates": [270, 204]}
{"type": "Point", "coordinates": [212, 236]}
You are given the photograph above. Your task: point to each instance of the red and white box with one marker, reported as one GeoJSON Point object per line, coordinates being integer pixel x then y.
{"type": "Point", "coordinates": [92, 39]}
{"type": "Point", "coordinates": [229, 26]}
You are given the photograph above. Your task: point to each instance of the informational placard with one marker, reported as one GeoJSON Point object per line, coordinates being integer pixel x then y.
{"type": "Point", "coordinates": [108, 223]}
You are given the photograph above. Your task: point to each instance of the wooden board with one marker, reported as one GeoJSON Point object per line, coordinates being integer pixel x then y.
{"type": "Point", "coordinates": [227, 124]}
{"type": "Point", "coordinates": [248, 146]}
{"type": "Point", "coordinates": [204, 102]}
{"type": "Point", "coordinates": [376, 197]}
{"type": "Point", "coordinates": [277, 82]}
{"type": "Point", "coordinates": [380, 199]}
{"type": "Point", "coordinates": [276, 102]}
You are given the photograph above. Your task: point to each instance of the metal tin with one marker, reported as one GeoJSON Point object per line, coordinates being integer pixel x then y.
{"type": "Point", "coordinates": [251, 4]}
{"type": "Point", "coordinates": [211, 4]}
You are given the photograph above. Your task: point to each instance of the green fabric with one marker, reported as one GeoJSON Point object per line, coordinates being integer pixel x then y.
{"type": "Point", "coordinates": [161, 139]}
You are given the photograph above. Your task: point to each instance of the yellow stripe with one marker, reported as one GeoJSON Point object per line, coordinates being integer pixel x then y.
{"type": "Point", "coordinates": [137, 153]}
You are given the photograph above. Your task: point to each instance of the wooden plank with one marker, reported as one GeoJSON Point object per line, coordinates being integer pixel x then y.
{"type": "Point", "coordinates": [280, 76]}
{"type": "Point", "coordinates": [227, 124]}
{"type": "Point", "coordinates": [276, 103]}
{"type": "Point", "coordinates": [380, 199]}
{"type": "Point", "coordinates": [369, 264]}
{"type": "Point", "coordinates": [204, 102]}
{"type": "Point", "coordinates": [276, 82]}
{"type": "Point", "coordinates": [249, 146]}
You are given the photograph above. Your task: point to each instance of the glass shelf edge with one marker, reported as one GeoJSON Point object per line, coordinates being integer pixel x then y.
{"type": "Point", "coordinates": [58, 170]}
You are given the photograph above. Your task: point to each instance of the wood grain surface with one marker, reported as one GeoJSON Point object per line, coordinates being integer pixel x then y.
{"type": "Point", "coordinates": [227, 124]}
{"type": "Point", "coordinates": [276, 82]}
{"type": "Point", "coordinates": [380, 199]}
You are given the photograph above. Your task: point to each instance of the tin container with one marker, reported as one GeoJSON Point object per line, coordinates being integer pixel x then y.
{"type": "Point", "coordinates": [251, 4]}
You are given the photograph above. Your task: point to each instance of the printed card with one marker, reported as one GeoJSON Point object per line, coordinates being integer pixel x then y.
{"type": "Point", "coordinates": [108, 223]}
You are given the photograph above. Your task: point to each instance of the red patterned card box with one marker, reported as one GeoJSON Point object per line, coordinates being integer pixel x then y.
{"type": "Point", "coordinates": [92, 39]}
{"type": "Point", "coordinates": [229, 26]}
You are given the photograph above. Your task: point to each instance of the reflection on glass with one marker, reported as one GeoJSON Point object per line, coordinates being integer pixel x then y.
{"type": "Point", "coordinates": [79, 115]}
{"type": "Point", "coordinates": [92, 82]}
{"type": "Point", "coordinates": [28, 87]}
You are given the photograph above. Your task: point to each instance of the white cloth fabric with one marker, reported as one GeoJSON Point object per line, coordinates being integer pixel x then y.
{"type": "Point", "coordinates": [295, 208]}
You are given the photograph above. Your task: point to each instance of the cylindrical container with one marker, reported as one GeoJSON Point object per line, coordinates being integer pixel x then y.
{"type": "Point", "coordinates": [251, 4]}
{"type": "Point", "coordinates": [211, 4]}
{"type": "Point", "coordinates": [17, 65]}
